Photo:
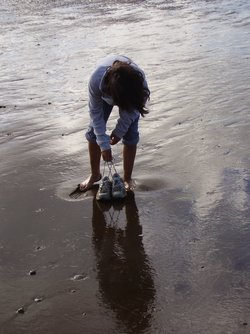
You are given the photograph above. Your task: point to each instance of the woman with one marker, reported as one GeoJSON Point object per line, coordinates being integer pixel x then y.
{"type": "Point", "coordinates": [116, 81]}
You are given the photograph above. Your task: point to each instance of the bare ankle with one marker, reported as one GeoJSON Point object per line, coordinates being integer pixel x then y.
{"type": "Point", "coordinates": [95, 175]}
{"type": "Point", "coordinates": [127, 179]}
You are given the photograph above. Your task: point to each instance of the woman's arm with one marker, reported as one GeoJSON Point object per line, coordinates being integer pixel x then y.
{"type": "Point", "coordinates": [96, 113]}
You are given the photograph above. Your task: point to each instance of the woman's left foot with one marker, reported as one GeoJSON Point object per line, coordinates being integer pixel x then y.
{"type": "Point", "coordinates": [130, 185]}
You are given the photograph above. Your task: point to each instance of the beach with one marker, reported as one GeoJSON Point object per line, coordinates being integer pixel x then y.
{"type": "Point", "coordinates": [174, 257]}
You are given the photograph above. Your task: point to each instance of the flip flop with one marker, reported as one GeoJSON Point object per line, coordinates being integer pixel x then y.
{"type": "Point", "coordinates": [77, 191]}
{"type": "Point", "coordinates": [93, 185]}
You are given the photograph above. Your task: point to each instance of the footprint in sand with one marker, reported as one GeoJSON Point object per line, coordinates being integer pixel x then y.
{"type": "Point", "coordinates": [150, 184]}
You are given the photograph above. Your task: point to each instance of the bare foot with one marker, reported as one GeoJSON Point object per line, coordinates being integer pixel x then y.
{"type": "Point", "coordinates": [89, 182]}
{"type": "Point", "coordinates": [130, 185]}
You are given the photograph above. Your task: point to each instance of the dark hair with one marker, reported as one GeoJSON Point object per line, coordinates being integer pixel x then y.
{"type": "Point", "coordinates": [124, 83]}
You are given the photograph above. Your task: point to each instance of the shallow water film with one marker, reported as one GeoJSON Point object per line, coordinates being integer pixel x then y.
{"type": "Point", "coordinates": [174, 257]}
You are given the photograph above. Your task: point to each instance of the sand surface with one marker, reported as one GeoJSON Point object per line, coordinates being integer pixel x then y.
{"type": "Point", "coordinates": [173, 258]}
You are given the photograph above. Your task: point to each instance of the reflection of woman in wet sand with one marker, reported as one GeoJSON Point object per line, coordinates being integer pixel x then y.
{"type": "Point", "coordinates": [124, 273]}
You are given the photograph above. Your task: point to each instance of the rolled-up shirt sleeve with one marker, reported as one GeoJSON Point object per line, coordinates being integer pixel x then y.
{"type": "Point", "coordinates": [125, 120]}
{"type": "Point", "coordinates": [96, 114]}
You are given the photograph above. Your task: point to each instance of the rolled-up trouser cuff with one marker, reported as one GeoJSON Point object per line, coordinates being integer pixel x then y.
{"type": "Point", "coordinates": [90, 136]}
{"type": "Point", "coordinates": [132, 135]}
{"type": "Point", "coordinates": [131, 141]}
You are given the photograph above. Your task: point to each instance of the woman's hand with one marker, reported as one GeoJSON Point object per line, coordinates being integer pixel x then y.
{"type": "Point", "coordinates": [114, 139]}
{"type": "Point", "coordinates": [107, 155]}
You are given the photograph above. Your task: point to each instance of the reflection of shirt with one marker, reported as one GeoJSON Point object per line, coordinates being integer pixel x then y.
{"type": "Point", "coordinates": [96, 97]}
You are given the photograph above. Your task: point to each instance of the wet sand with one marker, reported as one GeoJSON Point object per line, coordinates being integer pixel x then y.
{"type": "Point", "coordinates": [173, 258]}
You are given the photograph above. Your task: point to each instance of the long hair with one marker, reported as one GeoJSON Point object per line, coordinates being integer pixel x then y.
{"type": "Point", "coordinates": [124, 84]}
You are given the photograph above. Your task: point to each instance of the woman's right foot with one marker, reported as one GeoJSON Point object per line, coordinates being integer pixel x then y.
{"type": "Point", "coordinates": [89, 182]}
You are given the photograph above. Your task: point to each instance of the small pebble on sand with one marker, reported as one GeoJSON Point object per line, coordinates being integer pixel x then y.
{"type": "Point", "coordinates": [79, 277]}
{"type": "Point", "coordinates": [32, 272]}
{"type": "Point", "coordinates": [37, 300]}
{"type": "Point", "coordinates": [20, 310]}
